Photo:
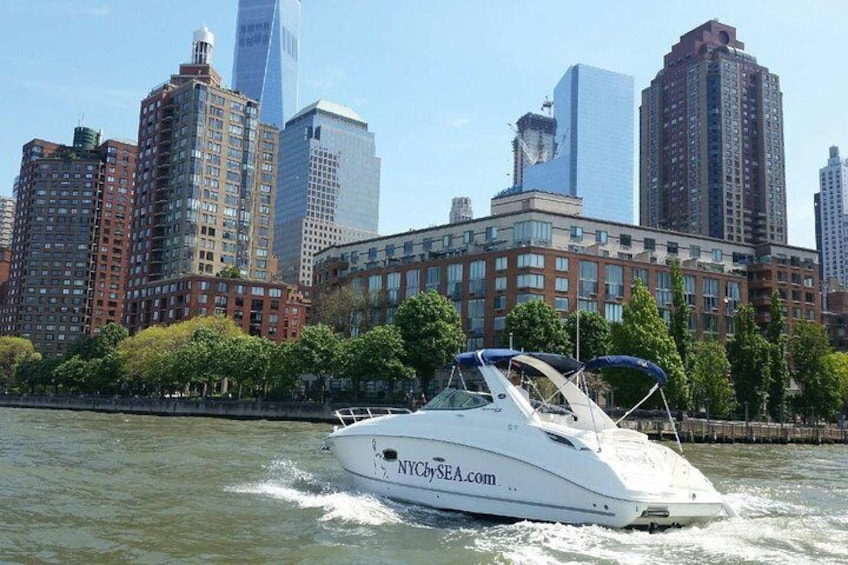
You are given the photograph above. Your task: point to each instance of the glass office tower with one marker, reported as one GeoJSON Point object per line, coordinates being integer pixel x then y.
{"type": "Point", "coordinates": [266, 54]}
{"type": "Point", "coordinates": [330, 186]}
{"type": "Point", "coordinates": [594, 139]}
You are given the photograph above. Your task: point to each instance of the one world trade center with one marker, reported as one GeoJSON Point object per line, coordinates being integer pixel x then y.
{"type": "Point", "coordinates": [266, 54]}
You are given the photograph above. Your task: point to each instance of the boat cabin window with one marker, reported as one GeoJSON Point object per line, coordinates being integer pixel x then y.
{"type": "Point", "coordinates": [455, 399]}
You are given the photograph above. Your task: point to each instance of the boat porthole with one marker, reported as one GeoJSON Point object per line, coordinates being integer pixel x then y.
{"type": "Point", "coordinates": [439, 459]}
{"type": "Point", "coordinates": [606, 507]}
{"type": "Point", "coordinates": [390, 455]}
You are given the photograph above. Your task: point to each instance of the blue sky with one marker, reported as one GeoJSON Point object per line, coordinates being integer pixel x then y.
{"type": "Point", "coordinates": [437, 80]}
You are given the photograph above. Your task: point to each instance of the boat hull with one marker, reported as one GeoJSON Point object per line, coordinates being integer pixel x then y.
{"type": "Point", "coordinates": [455, 476]}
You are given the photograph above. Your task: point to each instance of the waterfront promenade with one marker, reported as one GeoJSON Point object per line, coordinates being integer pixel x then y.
{"type": "Point", "coordinates": [689, 429]}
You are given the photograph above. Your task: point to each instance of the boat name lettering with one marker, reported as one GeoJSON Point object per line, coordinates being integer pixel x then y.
{"type": "Point", "coordinates": [444, 472]}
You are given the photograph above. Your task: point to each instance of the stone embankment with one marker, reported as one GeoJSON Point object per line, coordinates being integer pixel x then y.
{"type": "Point", "coordinates": [689, 429]}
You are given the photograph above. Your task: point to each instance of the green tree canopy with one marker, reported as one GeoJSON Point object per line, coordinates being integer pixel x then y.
{"type": "Point", "coordinates": [595, 334]}
{"type": "Point", "coordinates": [315, 352]}
{"type": "Point", "coordinates": [643, 333]}
{"type": "Point", "coordinates": [536, 326]}
{"type": "Point", "coordinates": [374, 356]}
{"type": "Point", "coordinates": [710, 376]}
{"type": "Point", "coordinates": [432, 333]}
{"type": "Point", "coordinates": [837, 364]}
{"type": "Point", "coordinates": [679, 327]}
{"type": "Point", "coordinates": [749, 355]}
{"type": "Point", "coordinates": [778, 367]}
{"type": "Point", "coordinates": [142, 356]}
{"type": "Point", "coordinates": [229, 272]}
{"type": "Point", "coordinates": [13, 351]}
{"type": "Point", "coordinates": [344, 309]}
{"type": "Point", "coordinates": [808, 348]}
{"type": "Point", "coordinates": [245, 361]}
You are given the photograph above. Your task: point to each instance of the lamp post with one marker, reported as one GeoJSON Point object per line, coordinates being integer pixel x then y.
{"type": "Point", "coordinates": [577, 313]}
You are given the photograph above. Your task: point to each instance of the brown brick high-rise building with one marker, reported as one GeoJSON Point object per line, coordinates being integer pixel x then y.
{"type": "Point", "coordinates": [71, 239]}
{"type": "Point", "coordinates": [711, 142]}
{"type": "Point", "coordinates": [204, 204]}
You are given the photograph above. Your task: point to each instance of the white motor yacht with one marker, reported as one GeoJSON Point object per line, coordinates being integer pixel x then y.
{"type": "Point", "coordinates": [494, 451]}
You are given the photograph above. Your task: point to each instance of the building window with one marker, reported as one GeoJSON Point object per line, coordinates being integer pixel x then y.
{"type": "Point", "coordinates": [433, 279]}
{"type": "Point", "coordinates": [531, 260]}
{"type": "Point", "coordinates": [527, 297]}
{"type": "Point", "coordinates": [412, 283]}
{"type": "Point", "coordinates": [694, 251]}
{"type": "Point", "coordinates": [530, 280]}
{"type": "Point", "coordinates": [671, 247]}
{"type": "Point", "coordinates": [588, 283]}
{"type": "Point", "coordinates": [561, 284]}
{"type": "Point", "coordinates": [562, 264]}
{"type": "Point", "coordinates": [613, 312]}
{"type": "Point", "coordinates": [638, 273]}
{"type": "Point", "coordinates": [500, 283]}
{"type": "Point", "coordinates": [500, 263]}
{"type": "Point", "coordinates": [614, 281]}
{"type": "Point", "coordinates": [689, 289]}
{"type": "Point", "coordinates": [601, 237]}
{"type": "Point", "coordinates": [532, 232]}
{"type": "Point", "coordinates": [561, 304]}
{"type": "Point", "coordinates": [710, 294]}
{"type": "Point", "coordinates": [650, 244]}
{"type": "Point", "coordinates": [491, 233]}
{"type": "Point", "coordinates": [576, 233]}
{"type": "Point", "coordinates": [625, 240]}
{"type": "Point", "coordinates": [663, 292]}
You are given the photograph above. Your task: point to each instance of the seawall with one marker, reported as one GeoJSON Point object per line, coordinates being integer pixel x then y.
{"type": "Point", "coordinates": [689, 430]}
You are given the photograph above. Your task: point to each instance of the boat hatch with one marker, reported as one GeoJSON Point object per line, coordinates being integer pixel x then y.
{"type": "Point", "coordinates": [655, 512]}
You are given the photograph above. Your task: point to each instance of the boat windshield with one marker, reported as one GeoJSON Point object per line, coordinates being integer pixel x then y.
{"type": "Point", "coordinates": [456, 399]}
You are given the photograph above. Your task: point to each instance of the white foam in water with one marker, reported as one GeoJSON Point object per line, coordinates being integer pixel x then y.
{"type": "Point", "coordinates": [303, 489]}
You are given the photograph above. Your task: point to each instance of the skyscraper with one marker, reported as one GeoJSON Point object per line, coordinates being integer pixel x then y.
{"type": "Point", "coordinates": [594, 143]}
{"type": "Point", "coordinates": [206, 182]}
{"type": "Point", "coordinates": [461, 210]}
{"type": "Point", "coordinates": [330, 186]}
{"type": "Point", "coordinates": [71, 237]}
{"type": "Point", "coordinates": [533, 144]}
{"type": "Point", "coordinates": [832, 216]}
{"type": "Point", "coordinates": [266, 55]}
{"type": "Point", "coordinates": [711, 142]}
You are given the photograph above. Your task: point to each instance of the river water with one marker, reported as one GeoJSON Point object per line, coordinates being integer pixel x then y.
{"type": "Point", "coordinates": [78, 487]}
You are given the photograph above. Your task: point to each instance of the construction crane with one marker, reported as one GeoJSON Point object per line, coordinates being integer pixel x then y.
{"type": "Point", "coordinates": [547, 107]}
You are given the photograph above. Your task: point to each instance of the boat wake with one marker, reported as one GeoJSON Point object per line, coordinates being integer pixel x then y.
{"type": "Point", "coordinates": [306, 491]}
{"type": "Point", "coordinates": [769, 530]}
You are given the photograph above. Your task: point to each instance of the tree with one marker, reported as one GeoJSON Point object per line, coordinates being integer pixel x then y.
{"type": "Point", "coordinates": [710, 377]}
{"type": "Point", "coordinates": [343, 309]}
{"type": "Point", "coordinates": [143, 356]}
{"type": "Point", "coordinates": [643, 333]}
{"type": "Point", "coordinates": [376, 355]}
{"type": "Point", "coordinates": [13, 351]}
{"type": "Point", "coordinates": [230, 272]}
{"type": "Point", "coordinates": [837, 364]}
{"type": "Point", "coordinates": [808, 348]}
{"type": "Point", "coordinates": [246, 361]}
{"type": "Point", "coordinates": [595, 334]}
{"type": "Point", "coordinates": [536, 326]}
{"type": "Point", "coordinates": [778, 367]}
{"type": "Point", "coordinates": [749, 355]}
{"type": "Point", "coordinates": [679, 327]}
{"type": "Point", "coordinates": [315, 353]}
{"type": "Point", "coordinates": [432, 333]}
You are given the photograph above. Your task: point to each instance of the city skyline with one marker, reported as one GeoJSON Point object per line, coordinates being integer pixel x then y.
{"type": "Point", "coordinates": [439, 113]}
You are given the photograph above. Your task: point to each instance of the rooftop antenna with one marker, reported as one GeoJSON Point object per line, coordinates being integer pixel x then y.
{"type": "Point", "coordinates": [81, 119]}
